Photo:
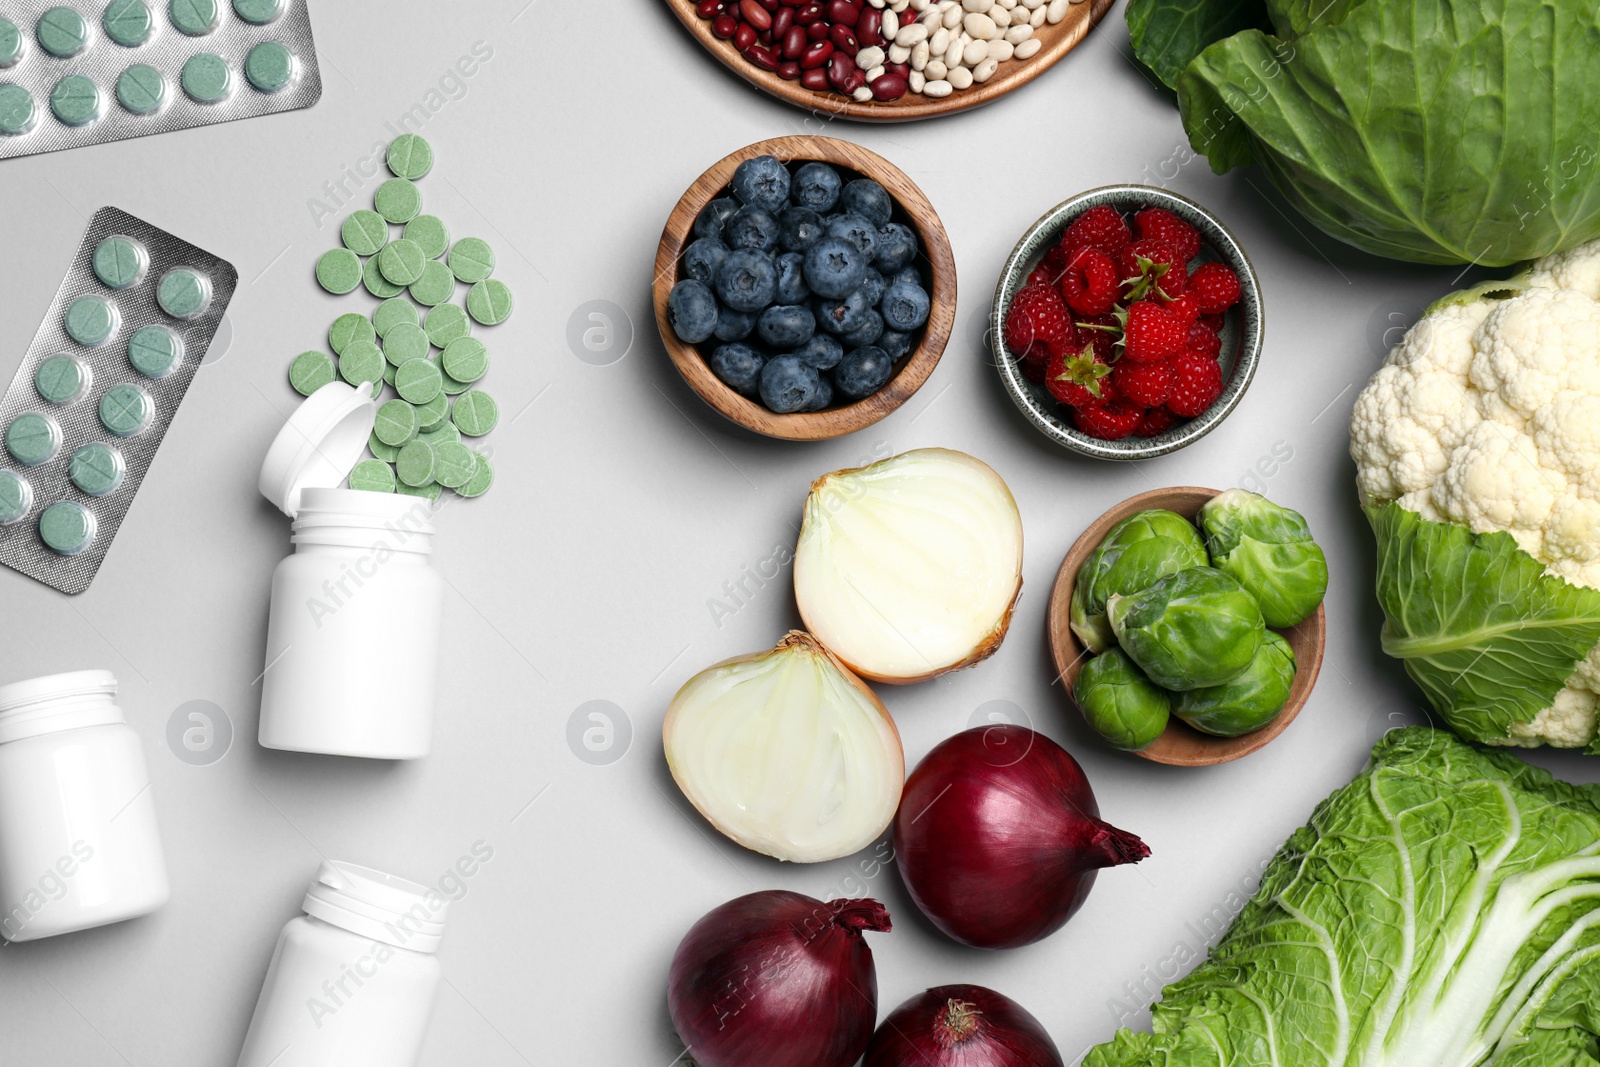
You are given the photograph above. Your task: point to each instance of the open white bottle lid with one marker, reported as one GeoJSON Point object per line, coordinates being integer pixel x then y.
{"type": "Point", "coordinates": [319, 445]}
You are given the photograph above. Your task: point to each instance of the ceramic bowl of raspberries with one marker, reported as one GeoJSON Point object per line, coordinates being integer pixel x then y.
{"type": "Point", "coordinates": [1127, 323]}
{"type": "Point", "coordinates": [804, 287]}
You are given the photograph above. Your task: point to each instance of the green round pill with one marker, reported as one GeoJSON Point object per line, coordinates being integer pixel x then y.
{"type": "Point", "coordinates": [90, 320]}
{"type": "Point", "coordinates": [376, 283]}
{"type": "Point", "coordinates": [125, 409]}
{"type": "Point", "coordinates": [433, 490]}
{"type": "Point", "coordinates": [386, 452]}
{"type": "Point", "coordinates": [436, 285]}
{"type": "Point", "coordinates": [440, 434]}
{"type": "Point", "coordinates": [396, 423]}
{"type": "Point", "coordinates": [16, 497]}
{"type": "Point", "coordinates": [396, 311]}
{"type": "Point", "coordinates": [388, 374]}
{"type": "Point", "coordinates": [258, 12]}
{"type": "Point", "coordinates": [409, 156]}
{"type": "Point", "coordinates": [404, 342]}
{"type": "Point", "coordinates": [154, 351]}
{"type": "Point", "coordinates": [364, 232]}
{"type": "Point", "coordinates": [489, 302]}
{"type": "Point", "coordinates": [62, 32]}
{"type": "Point", "coordinates": [429, 232]}
{"type": "Point", "coordinates": [310, 371]}
{"type": "Point", "coordinates": [75, 100]}
{"type": "Point", "coordinates": [472, 260]}
{"type": "Point", "coordinates": [193, 17]}
{"type": "Point", "coordinates": [372, 476]}
{"type": "Point", "coordinates": [415, 465]}
{"type": "Point", "coordinates": [32, 438]}
{"type": "Point", "coordinates": [60, 379]}
{"type": "Point", "coordinates": [453, 465]}
{"type": "Point", "coordinates": [418, 381]}
{"type": "Point", "coordinates": [141, 89]}
{"type": "Point", "coordinates": [482, 477]}
{"type": "Point", "coordinates": [16, 110]}
{"type": "Point", "coordinates": [454, 387]}
{"type": "Point", "coordinates": [206, 78]}
{"type": "Point", "coordinates": [361, 361]}
{"type": "Point", "coordinates": [433, 413]}
{"type": "Point", "coordinates": [11, 43]}
{"type": "Point", "coordinates": [118, 262]}
{"type": "Point", "coordinates": [96, 469]}
{"type": "Point", "coordinates": [401, 261]}
{"type": "Point", "coordinates": [183, 293]}
{"type": "Point", "coordinates": [446, 323]}
{"type": "Point", "coordinates": [348, 327]}
{"type": "Point", "coordinates": [465, 359]}
{"type": "Point", "coordinates": [127, 22]}
{"type": "Point", "coordinates": [398, 200]}
{"type": "Point", "coordinates": [269, 66]}
{"type": "Point", "coordinates": [339, 271]}
{"type": "Point", "coordinates": [475, 413]}
{"type": "Point", "coordinates": [66, 527]}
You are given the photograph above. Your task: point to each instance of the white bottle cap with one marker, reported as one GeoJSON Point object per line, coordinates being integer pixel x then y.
{"type": "Point", "coordinates": [378, 905]}
{"type": "Point", "coordinates": [319, 445]}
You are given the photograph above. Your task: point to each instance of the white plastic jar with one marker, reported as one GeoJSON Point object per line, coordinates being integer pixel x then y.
{"type": "Point", "coordinates": [79, 846]}
{"type": "Point", "coordinates": [353, 636]}
{"type": "Point", "coordinates": [353, 980]}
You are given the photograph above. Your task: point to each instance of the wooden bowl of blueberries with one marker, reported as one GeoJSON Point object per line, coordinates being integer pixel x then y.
{"type": "Point", "coordinates": [804, 287]}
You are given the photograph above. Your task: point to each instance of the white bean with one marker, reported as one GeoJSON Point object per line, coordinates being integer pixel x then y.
{"type": "Point", "coordinates": [1002, 17]}
{"type": "Point", "coordinates": [873, 73]}
{"type": "Point", "coordinates": [890, 25]}
{"type": "Point", "coordinates": [1028, 48]}
{"type": "Point", "coordinates": [878, 3]}
{"type": "Point", "coordinates": [932, 18]}
{"type": "Point", "coordinates": [919, 55]}
{"type": "Point", "coordinates": [952, 17]}
{"type": "Point", "coordinates": [899, 53]}
{"type": "Point", "coordinates": [1032, 5]}
{"type": "Point", "coordinates": [868, 58]}
{"type": "Point", "coordinates": [1037, 18]}
{"type": "Point", "coordinates": [1000, 51]}
{"type": "Point", "coordinates": [982, 26]}
{"type": "Point", "coordinates": [939, 43]}
{"type": "Point", "coordinates": [937, 89]}
{"type": "Point", "coordinates": [908, 35]}
{"type": "Point", "coordinates": [985, 70]}
{"type": "Point", "coordinates": [952, 58]}
{"type": "Point", "coordinates": [975, 53]}
{"type": "Point", "coordinates": [1019, 33]}
{"type": "Point", "coordinates": [862, 95]}
{"type": "Point", "coordinates": [1056, 11]}
{"type": "Point", "coordinates": [936, 70]}
{"type": "Point", "coordinates": [960, 78]}
{"type": "Point", "coordinates": [917, 82]}
{"type": "Point", "coordinates": [915, 5]}
{"type": "Point", "coordinates": [1009, 5]}
{"type": "Point", "coordinates": [976, 5]}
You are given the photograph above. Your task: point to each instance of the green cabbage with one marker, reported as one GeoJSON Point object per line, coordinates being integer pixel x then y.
{"type": "Point", "coordinates": [1442, 910]}
{"type": "Point", "coordinates": [1435, 131]}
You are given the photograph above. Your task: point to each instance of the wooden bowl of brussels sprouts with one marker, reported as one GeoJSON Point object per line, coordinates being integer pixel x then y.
{"type": "Point", "coordinates": [1243, 585]}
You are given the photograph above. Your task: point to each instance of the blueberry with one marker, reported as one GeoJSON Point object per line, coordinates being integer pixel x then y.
{"type": "Point", "coordinates": [834, 268]}
{"type": "Point", "coordinates": [734, 325]}
{"type": "Point", "coordinates": [692, 310]}
{"type": "Point", "coordinates": [824, 395]}
{"type": "Point", "coordinates": [841, 316]}
{"type": "Point", "coordinates": [866, 197]}
{"type": "Point", "coordinates": [738, 365]}
{"type": "Point", "coordinates": [816, 186]}
{"type": "Point", "coordinates": [822, 352]}
{"type": "Point", "coordinates": [909, 276]}
{"type": "Point", "coordinates": [863, 372]}
{"type": "Point", "coordinates": [747, 280]}
{"type": "Point", "coordinates": [799, 228]}
{"type": "Point", "coordinates": [866, 334]}
{"type": "Point", "coordinates": [873, 287]}
{"type": "Point", "coordinates": [897, 247]}
{"type": "Point", "coordinates": [904, 307]}
{"type": "Point", "coordinates": [702, 258]}
{"type": "Point", "coordinates": [751, 228]}
{"type": "Point", "coordinates": [787, 385]}
{"type": "Point", "coordinates": [785, 326]}
{"type": "Point", "coordinates": [895, 343]}
{"type": "Point", "coordinates": [714, 216]}
{"type": "Point", "coordinates": [762, 182]}
{"type": "Point", "coordinates": [856, 230]}
{"type": "Point", "coordinates": [792, 287]}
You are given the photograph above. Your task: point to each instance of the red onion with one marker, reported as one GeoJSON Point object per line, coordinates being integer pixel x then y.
{"type": "Point", "coordinates": [777, 979]}
{"type": "Point", "coordinates": [998, 837]}
{"type": "Point", "coordinates": [961, 1026]}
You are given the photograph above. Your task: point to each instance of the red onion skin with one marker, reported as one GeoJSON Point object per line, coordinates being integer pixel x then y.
{"type": "Point", "coordinates": [777, 979]}
{"type": "Point", "coordinates": [1002, 1033]}
{"type": "Point", "coordinates": [998, 837]}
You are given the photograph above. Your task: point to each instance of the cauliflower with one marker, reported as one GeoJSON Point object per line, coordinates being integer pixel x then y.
{"type": "Point", "coordinates": [1487, 414]}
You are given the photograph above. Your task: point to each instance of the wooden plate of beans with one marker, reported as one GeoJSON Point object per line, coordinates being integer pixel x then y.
{"type": "Point", "coordinates": [875, 60]}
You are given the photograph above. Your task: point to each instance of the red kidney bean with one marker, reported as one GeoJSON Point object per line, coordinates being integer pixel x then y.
{"type": "Point", "coordinates": [840, 67]}
{"type": "Point", "coordinates": [761, 57]}
{"type": "Point", "coordinates": [789, 71]}
{"type": "Point", "coordinates": [794, 43]}
{"type": "Point", "coordinates": [899, 70]}
{"type": "Point", "coordinates": [764, 37]}
{"type": "Point", "coordinates": [781, 22]}
{"type": "Point", "coordinates": [843, 11]}
{"type": "Point", "coordinates": [818, 30]}
{"type": "Point", "coordinates": [816, 80]}
{"type": "Point", "coordinates": [770, 5]}
{"type": "Point", "coordinates": [794, 3]}
{"type": "Point", "coordinates": [724, 25]}
{"type": "Point", "coordinates": [843, 39]}
{"type": "Point", "coordinates": [808, 14]}
{"type": "Point", "coordinates": [744, 36]}
{"type": "Point", "coordinates": [856, 79]}
{"type": "Point", "coordinates": [889, 87]}
{"type": "Point", "coordinates": [754, 14]}
{"type": "Point", "coordinates": [869, 28]}
{"type": "Point", "coordinates": [816, 54]}
{"type": "Point", "coordinates": [710, 9]}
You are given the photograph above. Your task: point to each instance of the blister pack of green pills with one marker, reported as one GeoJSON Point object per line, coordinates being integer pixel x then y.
{"type": "Point", "coordinates": [81, 73]}
{"type": "Point", "coordinates": [100, 384]}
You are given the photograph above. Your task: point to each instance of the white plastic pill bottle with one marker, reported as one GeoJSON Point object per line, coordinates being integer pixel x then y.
{"type": "Point", "coordinates": [352, 981]}
{"type": "Point", "coordinates": [352, 658]}
{"type": "Point", "coordinates": [79, 845]}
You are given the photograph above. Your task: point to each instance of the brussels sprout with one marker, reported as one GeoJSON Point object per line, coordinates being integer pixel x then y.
{"type": "Point", "coordinates": [1269, 549]}
{"type": "Point", "coordinates": [1195, 628]}
{"type": "Point", "coordinates": [1123, 706]}
{"type": "Point", "coordinates": [1138, 550]}
{"type": "Point", "coordinates": [1247, 702]}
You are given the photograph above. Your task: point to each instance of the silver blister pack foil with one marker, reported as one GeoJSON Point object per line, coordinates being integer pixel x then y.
{"type": "Point", "coordinates": [20, 545]}
{"type": "Point", "coordinates": [167, 49]}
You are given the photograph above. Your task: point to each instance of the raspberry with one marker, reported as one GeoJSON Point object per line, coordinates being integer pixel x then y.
{"type": "Point", "coordinates": [1183, 308]}
{"type": "Point", "coordinates": [1146, 384]}
{"type": "Point", "coordinates": [1151, 334]}
{"type": "Point", "coordinates": [1109, 422]}
{"type": "Point", "coordinates": [1041, 275]}
{"type": "Point", "coordinates": [1215, 287]}
{"type": "Point", "coordinates": [1149, 264]}
{"type": "Point", "coordinates": [1034, 362]}
{"type": "Point", "coordinates": [1078, 379]}
{"type": "Point", "coordinates": [1214, 323]}
{"type": "Point", "coordinates": [1037, 313]}
{"type": "Point", "coordinates": [1104, 338]}
{"type": "Point", "coordinates": [1163, 225]}
{"type": "Point", "coordinates": [1090, 282]}
{"type": "Point", "coordinates": [1100, 228]}
{"type": "Point", "coordinates": [1197, 382]}
{"type": "Point", "coordinates": [1203, 341]}
{"type": "Point", "coordinates": [1155, 421]}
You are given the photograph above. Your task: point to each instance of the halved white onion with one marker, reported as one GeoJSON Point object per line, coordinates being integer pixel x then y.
{"type": "Point", "coordinates": [910, 567]}
{"type": "Point", "coordinates": [787, 752]}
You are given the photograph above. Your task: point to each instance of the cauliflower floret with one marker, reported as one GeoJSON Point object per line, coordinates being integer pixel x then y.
{"type": "Point", "coordinates": [1495, 482]}
{"type": "Point", "coordinates": [1576, 268]}
{"type": "Point", "coordinates": [1531, 347]}
{"type": "Point", "coordinates": [1568, 723]}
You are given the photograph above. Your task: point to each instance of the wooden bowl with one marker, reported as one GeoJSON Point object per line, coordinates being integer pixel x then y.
{"type": "Point", "coordinates": [936, 262]}
{"type": "Point", "coordinates": [1181, 744]}
{"type": "Point", "coordinates": [1056, 41]}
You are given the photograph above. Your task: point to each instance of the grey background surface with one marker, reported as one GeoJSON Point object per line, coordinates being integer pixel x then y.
{"type": "Point", "coordinates": [622, 507]}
